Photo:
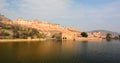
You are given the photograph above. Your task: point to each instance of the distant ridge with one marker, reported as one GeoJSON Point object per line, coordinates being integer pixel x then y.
{"type": "Point", "coordinates": [105, 32]}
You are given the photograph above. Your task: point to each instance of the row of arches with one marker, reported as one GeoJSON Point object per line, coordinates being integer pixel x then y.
{"type": "Point", "coordinates": [64, 38]}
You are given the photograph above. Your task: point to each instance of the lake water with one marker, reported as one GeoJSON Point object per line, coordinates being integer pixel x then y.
{"type": "Point", "coordinates": [61, 52]}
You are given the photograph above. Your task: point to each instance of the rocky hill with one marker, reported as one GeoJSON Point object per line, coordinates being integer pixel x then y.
{"type": "Point", "coordinates": [12, 31]}
{"type": "Point", "coordinates": [3, 18]}
{"type": "Point", "coordinates": [41, 26]}
{"type": "Point", "coordinates": [105, 32]}
{"type": "Point", "coordinates": [45, 28]}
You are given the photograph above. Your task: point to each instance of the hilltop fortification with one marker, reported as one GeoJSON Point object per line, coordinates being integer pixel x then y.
{"type": "Point", "coordinates": [49, 29]}
{"type": "Point", "coordinates": [41, 26]}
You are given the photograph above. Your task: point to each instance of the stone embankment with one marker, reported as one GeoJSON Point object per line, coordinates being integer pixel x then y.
{"type": "Point", "coordinates": [88, 39]}
{"type": "Point", "coordinates": [21, 40]}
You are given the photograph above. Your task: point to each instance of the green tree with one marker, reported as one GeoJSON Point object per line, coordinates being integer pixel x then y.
{"type": "Point", "coordinates": [119, 36]}
{"type": "Point", "coordinates": [6, 34]}
{"type": "Point", "coordinates": [84, 34]}
{"type": "Point", "coordinates": [57, 36]}
{"type": "Point", "coordinates": [7, 27]}
{"type": "Point", "coordinates": [108, 35]}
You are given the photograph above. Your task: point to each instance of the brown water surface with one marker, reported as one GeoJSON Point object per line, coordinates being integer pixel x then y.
{"type": "Point", "coordinates": [60, 52]}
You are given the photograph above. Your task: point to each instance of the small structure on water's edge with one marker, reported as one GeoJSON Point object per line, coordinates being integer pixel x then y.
{"type": "Point", "coordinates": [69, 36]}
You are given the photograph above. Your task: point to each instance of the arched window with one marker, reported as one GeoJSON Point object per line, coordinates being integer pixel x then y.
{"type": "Point", "coordinates": [65, 37]}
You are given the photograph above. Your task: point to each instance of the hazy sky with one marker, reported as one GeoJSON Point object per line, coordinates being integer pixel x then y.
{"type": "Point", "coordinates": [85, 15]}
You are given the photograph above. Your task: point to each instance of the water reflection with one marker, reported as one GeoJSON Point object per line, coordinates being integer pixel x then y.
{"type": "Point", "coordinates": [83, 48]}
{"type": "Point", "coordinates": [60, 52]}
{"type": "Point", "coordinates": [108, 40]}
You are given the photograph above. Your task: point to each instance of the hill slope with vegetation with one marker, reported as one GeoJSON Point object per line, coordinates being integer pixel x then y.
{"type": "Point", "coordinates": [8, 31]}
